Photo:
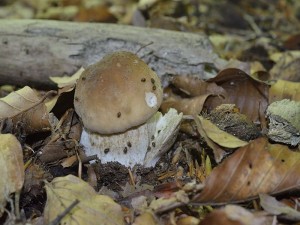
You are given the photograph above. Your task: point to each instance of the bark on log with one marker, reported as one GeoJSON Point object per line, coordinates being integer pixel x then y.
{"type": "Point", "coordinates": [33, 50]}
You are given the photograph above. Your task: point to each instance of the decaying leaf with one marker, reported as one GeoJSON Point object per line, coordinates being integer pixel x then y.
{"type": "Point", "coordinates": [249, 95]}
{"type": "Point", "coordinates": [143, 145]}
{"type": "Point", "coordinates": [228, 118]}
{"type": "Point", "coordinates": [259, 167]}
{"type": "Point", "coordinates": [27, 109]}
{"type": "Point", "coordinates": [284, 90]}
{"type": "Point", "coordinates": [284, 121]}
{"type": "Point", "coordinates": [188, 106]}
{"type": "Point", "coordinates": [193, 86]}
{"type": "Point", "coordinates": [235, 215]}
{"type": "Point", "coordinates": [271, 205]}
{"type": "Point", "coordinates": [12, 167]}
{"type": "Point", "coordinates": [91, 209]}
{"type": "Point", "coordinates": [220, 137]}
{"type": "Point", "coordinates": [197, 90]}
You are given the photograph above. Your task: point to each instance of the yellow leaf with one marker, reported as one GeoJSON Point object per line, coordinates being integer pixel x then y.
{"type": "Point", "coordinates": [12, 167]}
{"type": "Point", "coordinates": [91, 209]}
{"type": "Point", "coordinates": [67, 80]}
{"type": "Point", "coordinates": [283, 89]}
{"type": "Point", "coordinates": [220, 137]}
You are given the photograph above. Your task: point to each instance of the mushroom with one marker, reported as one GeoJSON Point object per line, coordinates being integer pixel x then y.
{"type": "Point", "coordinates": [117, 100]}
{"type": "Point", "coordinates": [117, 93]}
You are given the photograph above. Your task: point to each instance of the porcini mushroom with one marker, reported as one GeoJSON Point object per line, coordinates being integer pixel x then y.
{"type": "Point", "coordinates": [117, 100]}
{"type": "Point", "coordinates": [117, 93]}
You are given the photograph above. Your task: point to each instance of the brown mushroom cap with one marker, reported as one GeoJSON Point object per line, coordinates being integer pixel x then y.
{"type": "Point", "coordinates": [117, 93]}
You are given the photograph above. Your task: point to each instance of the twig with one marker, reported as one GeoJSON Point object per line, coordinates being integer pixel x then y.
{"type": "Point", "coordinates": [58, 219]}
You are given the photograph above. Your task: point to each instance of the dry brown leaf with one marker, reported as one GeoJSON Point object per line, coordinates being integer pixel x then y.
{"type": "Point", "coordinates": [271, 205]}
{"type": "Point", "coordinates": [68, 162]}
{"type": "Point", "coordinates": [12, 167]}
{"type": "Point", "coordinates": [198, 91]}
{"type": "Point", "coordinates": [235, 215]}
{"type": "Point", "coordinates": [250, 96]}
{"type": "Point", "coordinates": [259, 167]}
{"type": "Point", "coordinates": [27, 109]}
{"type": "Point", "coordinates": [284, 90]}
{"type": "Point", "coordinates": [193, 86]}
{"type": "Point", "coordinates": [91, 209]}
{"type": "Point", "coordinates": [188, 106]}
{"type": "Point", "coordinates": [53, 151]}
{"type": "Point", "coordinates": [34, 178]}
{"type": "Point", "coordinates": [293, 42]}
{"type": "Point", "coordinates": [95, 13]}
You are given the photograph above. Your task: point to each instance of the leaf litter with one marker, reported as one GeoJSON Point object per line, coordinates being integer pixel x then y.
{"type": "Point", "coordinates": [224, 153]}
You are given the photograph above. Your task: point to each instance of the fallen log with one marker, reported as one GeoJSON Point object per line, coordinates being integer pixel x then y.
{"type": "Point", "coordinates": [33, 50]}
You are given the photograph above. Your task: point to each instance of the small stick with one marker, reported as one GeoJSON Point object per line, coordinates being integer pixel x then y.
{"type": "Point", "coordinates": [58, 219]}
{"type": "Point", "coordinates": [144, 46]}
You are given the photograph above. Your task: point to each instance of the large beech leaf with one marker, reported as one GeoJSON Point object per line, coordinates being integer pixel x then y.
{"type": "Point", "coordinates": [26, 108]}
{"type": "Point", "coordinates": [12, 167]}
{"type": "Point", "coordinates": [91, 209]}
{"type": "Point", "coordinates": [259, 167]}
{"type": "Point", "coordinates": [249, 95]}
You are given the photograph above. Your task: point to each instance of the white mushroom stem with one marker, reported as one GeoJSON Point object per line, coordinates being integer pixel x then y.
{"type": "Point", "coordinates": [143, 145]}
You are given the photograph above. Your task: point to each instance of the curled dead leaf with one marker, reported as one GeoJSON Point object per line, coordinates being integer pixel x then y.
{"type": "Point", "coordinates": [235, 215]}
{"type": "Point", "coordinates": [259, 167]}
{"type": "Point", "coordinates": [249, 95]}
{"type": "Point", "coordinates": [26, 109]}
